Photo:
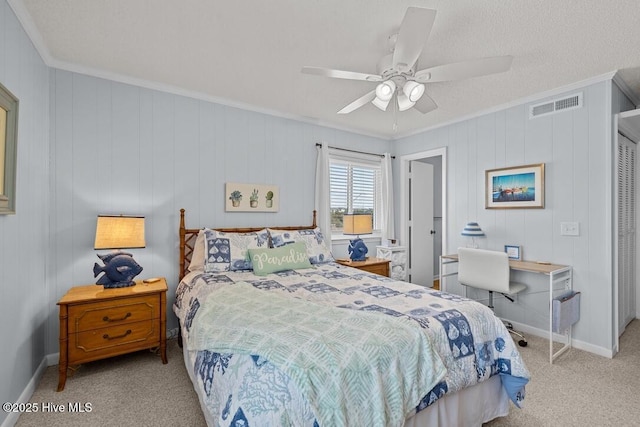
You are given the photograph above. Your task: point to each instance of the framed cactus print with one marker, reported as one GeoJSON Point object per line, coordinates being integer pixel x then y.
{"type": "Point", "coordinates": [251, 197]}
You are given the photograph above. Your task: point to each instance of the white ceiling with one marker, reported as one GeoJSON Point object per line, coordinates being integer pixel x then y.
{"type": "Point", "coordinates": [249, 53]}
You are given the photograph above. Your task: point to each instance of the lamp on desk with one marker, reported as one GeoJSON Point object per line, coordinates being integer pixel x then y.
{"type": "Point", "coordinates": [357, 224]}
{"type": "Point", "coordinates": [118, 232]}
{"type": "Point", "coordinates": [473, 230]}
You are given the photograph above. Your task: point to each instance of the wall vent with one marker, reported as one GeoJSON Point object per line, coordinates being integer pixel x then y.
{"type": "Point", "coordinates": [555, 106]}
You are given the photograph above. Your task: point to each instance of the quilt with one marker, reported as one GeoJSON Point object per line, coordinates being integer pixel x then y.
{"type": "Point", "coordinates": [335, 364]}
{"type": "Point", "coordinates": [471, 342]}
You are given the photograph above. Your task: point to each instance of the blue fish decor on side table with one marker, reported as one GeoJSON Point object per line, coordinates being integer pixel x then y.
{"type": "Point", "coordinates": [357, 250]}
{"type": "Point", "coordinates": [119, 270]}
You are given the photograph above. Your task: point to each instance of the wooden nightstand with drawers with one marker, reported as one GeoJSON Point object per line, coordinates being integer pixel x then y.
{"type": "Point", "coordinates": [372, 265]}
{"type": "Point", "coordinates": [97, 323]}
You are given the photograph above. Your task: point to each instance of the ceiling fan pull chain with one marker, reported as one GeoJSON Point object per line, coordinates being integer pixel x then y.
{"type": "Point", "coordinates": [395, 114]}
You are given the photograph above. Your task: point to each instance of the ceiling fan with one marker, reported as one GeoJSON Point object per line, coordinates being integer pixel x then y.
{"type": "Point", "coordinates": [397, 78]}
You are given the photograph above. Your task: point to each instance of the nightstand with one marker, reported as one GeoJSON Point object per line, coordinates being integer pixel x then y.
{"type": "Point", "coordinates": [97, 323]}
{"type": "Point", "coordinates": [371, 265]}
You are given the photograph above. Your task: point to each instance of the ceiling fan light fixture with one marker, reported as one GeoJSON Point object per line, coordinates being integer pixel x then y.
{"type": "Point", "coordinates": [413, 90]}
{"type": "Point", "coordinates": [385, 90]}
{"type": "Point", "coordinates": [403, 102]}
{"type": "Point", "coordinates": [381, 104]}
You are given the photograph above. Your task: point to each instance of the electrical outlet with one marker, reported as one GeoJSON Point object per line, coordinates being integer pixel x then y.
{"type": "Point", "coordinates": [569, 229]}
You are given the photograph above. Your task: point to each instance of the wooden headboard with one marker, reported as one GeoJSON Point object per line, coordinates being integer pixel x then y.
{"type": "Point", "coordinates": [188, 238]}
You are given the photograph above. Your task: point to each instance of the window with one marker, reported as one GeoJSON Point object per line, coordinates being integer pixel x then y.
{"type": "Point", "coordinates": [355, 186]}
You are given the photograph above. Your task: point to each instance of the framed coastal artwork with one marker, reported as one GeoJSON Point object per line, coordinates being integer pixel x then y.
{"type": "Point", "coordinates": [515, 187]}
{"type": "Point", "coordinates": [251, 197]}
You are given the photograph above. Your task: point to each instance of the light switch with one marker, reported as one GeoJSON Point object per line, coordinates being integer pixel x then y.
{"type": "Point", "coordinates": [569, 229]}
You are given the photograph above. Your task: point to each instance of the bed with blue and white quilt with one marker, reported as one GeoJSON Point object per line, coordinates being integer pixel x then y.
{"type": "Point", "coordinates": [323, 344]}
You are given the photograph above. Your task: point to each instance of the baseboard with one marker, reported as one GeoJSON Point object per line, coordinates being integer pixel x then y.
{"type": "Point", "coordinates": [580, 345]}
{"type": "Point", "coordinates": [52, 359]}
{"type": "Point", "coordinates": [12, 418]}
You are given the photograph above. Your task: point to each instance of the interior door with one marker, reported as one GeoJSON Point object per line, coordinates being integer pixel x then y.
{"type": "Point", "coordinates": [421, 223]}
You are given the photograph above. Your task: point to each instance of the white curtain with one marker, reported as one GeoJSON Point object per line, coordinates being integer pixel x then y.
{"type": "Point", "coordinates": [387, 220]}
{"type": "Point", "coordinates": [323, 201]}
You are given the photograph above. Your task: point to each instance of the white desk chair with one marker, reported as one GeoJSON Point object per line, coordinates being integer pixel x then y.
{"type": "Point", "coordinates": [489, 270]}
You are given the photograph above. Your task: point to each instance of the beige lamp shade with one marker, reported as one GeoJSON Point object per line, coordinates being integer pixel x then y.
{"type": "Point", "coordinates": [119, 232]}
{"type": "Point", "coordinates": [357, 224]}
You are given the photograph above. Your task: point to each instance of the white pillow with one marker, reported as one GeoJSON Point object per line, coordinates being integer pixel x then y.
{"type": "Point", "coordinates": [197, 256]}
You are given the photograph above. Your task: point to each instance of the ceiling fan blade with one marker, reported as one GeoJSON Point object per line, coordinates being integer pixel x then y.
{"type": "Point", "coordinates": [425, 104]}
{"type": "Point", "coordinates": [363, 100]}
{"type": "Point", "coordinates": [339, 74]}
{"type": "Point", "coordinates": [465, 69]}
{"type": "Point", "coordinates": [414, 32]}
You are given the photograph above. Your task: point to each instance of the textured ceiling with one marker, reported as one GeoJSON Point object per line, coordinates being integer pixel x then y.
{"type": "Point", "coordinates": [249, 53]}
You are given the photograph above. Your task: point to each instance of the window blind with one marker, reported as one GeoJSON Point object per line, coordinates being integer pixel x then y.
{"type": "Point", "coordinates": [355, 188]}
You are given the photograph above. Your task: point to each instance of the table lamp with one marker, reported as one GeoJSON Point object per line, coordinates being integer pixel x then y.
{"type": "Point", "coordinates": [356, 224]}
{"type": "Point", "coordinates": [118, 232]}
{"type": "Point", "coordinates": [473, 230]}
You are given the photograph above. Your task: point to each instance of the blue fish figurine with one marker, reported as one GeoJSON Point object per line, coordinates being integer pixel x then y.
{"type": "Point", "coordinates": [357, 250]}
{"type": "Point", "coordinates": [119, 270]}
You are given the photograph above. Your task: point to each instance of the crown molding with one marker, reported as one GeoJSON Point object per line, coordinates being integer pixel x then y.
{"type": "Point", "coordinates": [175, 90]}
{"type": "Point", "coordinates": [34, 34]}
{"type": "Point", "coordinates": [527, 99]}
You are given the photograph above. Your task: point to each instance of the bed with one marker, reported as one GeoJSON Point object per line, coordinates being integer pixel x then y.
{"type": "Point", "coordinates": [274, 332]}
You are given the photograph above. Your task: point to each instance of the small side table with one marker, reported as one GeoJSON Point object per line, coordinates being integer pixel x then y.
{"type": "Point", "coordinates": [371, 265]}
{"type": "Point", "coordinates": [398, 257]}
{"type": "Point", "coordinates": [97, 323]}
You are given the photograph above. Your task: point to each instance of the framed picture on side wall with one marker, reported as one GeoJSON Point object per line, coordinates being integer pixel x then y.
{"type": "Point", "coordinates": [516, 187]}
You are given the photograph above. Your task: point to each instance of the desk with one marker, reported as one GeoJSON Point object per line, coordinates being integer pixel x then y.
{"type": "Point", "coordinates": [557, 274]}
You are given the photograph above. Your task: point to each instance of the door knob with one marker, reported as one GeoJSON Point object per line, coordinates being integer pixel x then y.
{"type": "Point", "coordinates": [432, 232]}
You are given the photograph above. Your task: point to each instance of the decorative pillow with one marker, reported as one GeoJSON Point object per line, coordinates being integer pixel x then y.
{"type": "Point", "coordinates": [197, 256]}
{"type": "Point", "coordinates": [272, 260]}
{"type": "Point", "coordinates": [228, 251]}
{"type": "Point", "coordinates": [317, 247]}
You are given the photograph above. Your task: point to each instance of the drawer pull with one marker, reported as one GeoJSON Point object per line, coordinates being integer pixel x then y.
{"type": "Point", "coordinates": [107, 337]}
{"type": "Point", "coordinates": [106, 318]}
